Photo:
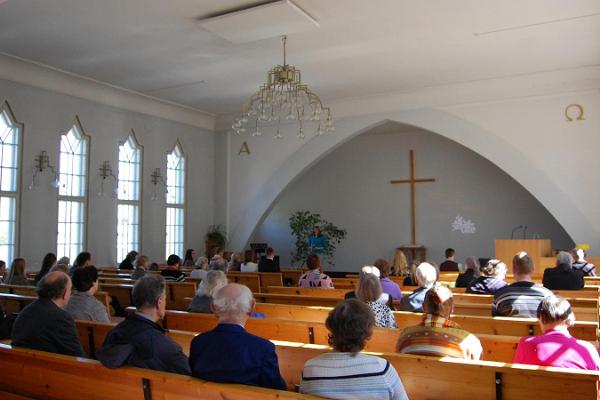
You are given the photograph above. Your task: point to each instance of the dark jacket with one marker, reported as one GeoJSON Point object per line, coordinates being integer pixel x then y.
{"type": "Point", "coordinates": [449, 266]}
{"type": "Point", "coordinates": [140, 342]}
{"type": "Point", "coordinates": [563, 277]}
{"type": "Point", "coordinates": [43, 325]}
{"type": "Point", "coordinates": [201, 304]}
{"type": "Point", "coordinates": [126, 264]}
{"type": "Point", "coordinates": [464, 279]}
{"type": "Point", "coordinates": [229, 354]}
{"type": "Point", "coordinates": [266, 265]}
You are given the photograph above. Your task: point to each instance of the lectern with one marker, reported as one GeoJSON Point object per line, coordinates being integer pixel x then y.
{"type": "Point", "coordinates": [536, 248]}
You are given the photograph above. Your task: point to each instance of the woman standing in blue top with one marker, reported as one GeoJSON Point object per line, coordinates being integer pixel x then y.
{"type": "Point", "coordinates": [317, 242]}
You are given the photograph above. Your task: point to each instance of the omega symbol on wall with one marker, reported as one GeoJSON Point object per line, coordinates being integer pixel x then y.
{"type": "Point", "coordinates": [574, 112]}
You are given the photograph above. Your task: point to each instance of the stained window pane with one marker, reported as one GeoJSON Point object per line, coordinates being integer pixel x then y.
{"type": "Point", "coordinates": [8, 225]}
{"type": "Point", "coordinates": [73, 159]}
{"type": "Point", "coordinates": [176, 177]}
{"type": "Point", "coordinates": [9, 154]}
{"type": "Point", "coordinates": [129, 171]}
{"type": "Point", "coordinates": [71, 227]}
{"type": "Point", "coordinates": [174, 231]}
{"type": "Point", "coordinates": [127, 229]}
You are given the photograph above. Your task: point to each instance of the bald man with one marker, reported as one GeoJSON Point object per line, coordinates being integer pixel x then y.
{"type": "Point", "coordinates": [229, 354]}
{"type": "Point", "coordinates": [44, 325]}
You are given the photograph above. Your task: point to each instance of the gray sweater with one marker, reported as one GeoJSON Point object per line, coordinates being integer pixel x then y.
{"type": "Point", "coordinates": [86, 307]}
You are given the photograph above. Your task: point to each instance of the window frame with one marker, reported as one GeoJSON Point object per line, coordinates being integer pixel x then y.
{"type": "Point", "coordinates": [81, 199]}
{"type": "Point", "coordinates": [179, 148]}
{"type": "Point", "coordinates": [139, 203]}
{"type": "Point", "coordinates": [6, 109]}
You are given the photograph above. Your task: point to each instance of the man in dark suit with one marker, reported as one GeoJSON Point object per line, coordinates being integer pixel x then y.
{"type": "Point", "coordinates": [563, 276]}
{"type": "Point", "coordinates": [229, 354]}
{"type": "Point", "coordinates": [44, 325]}
{"type": "Point", "coordinates": [139, 340]}
{"type": "Point", "coordinates": [268, 263]}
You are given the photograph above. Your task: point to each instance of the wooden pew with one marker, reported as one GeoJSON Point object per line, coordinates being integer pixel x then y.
{"type": "Point", "coordinates": [250, 279]}
{"type": "Point", "coordinates": [584, 330]}
{"type": "Point", "coordinates": [122, 292]}
{"type": "Point", "coordinates": [296, 299]}
{"type": "Point", "coordinates": [177, 292]}
{"type": "Point", "coordinates": [38, 374]}
{"type": "Point", "coordinates": [14, 303]}
{"type": "Point", "coordinates": [446, 378]}
{"type": "Point", "coordinates": [103, 297]}
{"type": "Point", "coordinates": [464, 304]}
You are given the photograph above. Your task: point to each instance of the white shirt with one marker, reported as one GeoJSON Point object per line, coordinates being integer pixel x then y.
{"type": "Point", "coordinates": [249, 267]}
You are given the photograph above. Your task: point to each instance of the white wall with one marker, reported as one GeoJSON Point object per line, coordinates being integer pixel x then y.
{"type": "Point", "coordinates": [517, 123]}
{"type": "Point", "coordinates": [351, 188]}
{"type": "Point", "coordinates": [45, 114]}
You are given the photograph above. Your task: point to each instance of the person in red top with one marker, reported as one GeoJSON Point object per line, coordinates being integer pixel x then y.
{"type": "Point", "coordinates": [556, 347]}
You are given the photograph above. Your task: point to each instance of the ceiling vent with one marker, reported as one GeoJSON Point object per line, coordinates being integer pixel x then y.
{"type": "Point", "coordinates": [260, 22]}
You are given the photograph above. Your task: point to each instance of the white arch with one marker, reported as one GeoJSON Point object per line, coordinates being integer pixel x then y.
{"type": "Point", "coordinates": [497, 150]}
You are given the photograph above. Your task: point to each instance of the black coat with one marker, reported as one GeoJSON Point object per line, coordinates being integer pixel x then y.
{"type": "Point", "coordinates": [142, 343]}
{"type": "Point", "coordinates": [563, 277]}
{"type": "Point", "coordinates": [464, 279]}
{"type": "Point", "coordinates": [266, 265]}
{"type": "Point", "coordinates": [43, 325]}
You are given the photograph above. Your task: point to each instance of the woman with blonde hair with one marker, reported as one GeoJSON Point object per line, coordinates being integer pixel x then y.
{"type": "Point", "coordinates": [215, 279]}
{"type": "Point", "coordinates": [400, 264]}
{"type": "Point", "coordinates": [16, 275]}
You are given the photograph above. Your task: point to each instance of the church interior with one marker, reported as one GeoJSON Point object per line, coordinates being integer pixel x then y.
{"type": "Point", "coordinates": [405, 128]}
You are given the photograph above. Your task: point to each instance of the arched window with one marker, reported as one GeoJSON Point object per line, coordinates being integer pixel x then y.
{"type": "Point", "coordinates": [72, 192]}
{"type": "Point", "coordinates": [175, 224]}
{"type": "Point", "coordinates": [129, 197]}
{"type": "Point", "coordinates": [10, 159]}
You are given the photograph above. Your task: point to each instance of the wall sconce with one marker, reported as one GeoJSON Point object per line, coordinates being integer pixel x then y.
{"type": "Point", "coordinates": [42, 163]}
{"type": "Point", "coordinates": [105, 173]}
{"type": "Point", "coordinates": [157, 179]}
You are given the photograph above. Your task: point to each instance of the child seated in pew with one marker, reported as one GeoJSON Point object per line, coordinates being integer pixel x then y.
{"type": "Point", "coordinates": [555, 347]}
{"type": "Point", "coordinates": [369, 291]}
{"type": "Point", "coordinates": [436, 335]}
{"type": "Point", "coordinates": [314, 278]}
{"type": "Point", "coordinates": [16, 275]}
{"type": "Point", "coordinates": [173, 270]}
{"type": "Point", "coordinates": [345, 373]}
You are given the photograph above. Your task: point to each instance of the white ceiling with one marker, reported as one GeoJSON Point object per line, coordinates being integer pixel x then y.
{"type": "Point", "coordinates": [362, 48]}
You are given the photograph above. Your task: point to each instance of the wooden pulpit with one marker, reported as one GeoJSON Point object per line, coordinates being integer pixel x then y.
{"type": "Point", "coordinates": [536, 248]}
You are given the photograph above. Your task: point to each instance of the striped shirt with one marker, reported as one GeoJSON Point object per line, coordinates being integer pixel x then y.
{"type": "Point", "coordinates": [520, 299]}
{"type": "Point", "coordinates": [339, 375]}
{"type": "Point", "coordinates": [587, 268]}
{"type": "Point", "coordinates": [439, 337]}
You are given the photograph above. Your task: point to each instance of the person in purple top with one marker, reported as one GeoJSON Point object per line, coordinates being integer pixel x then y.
{"type": "Point", "coordinates": [387, 285]}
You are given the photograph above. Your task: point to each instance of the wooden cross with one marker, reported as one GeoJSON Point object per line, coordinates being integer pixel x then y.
{"type": "Point", "coordinates": [413, 205]}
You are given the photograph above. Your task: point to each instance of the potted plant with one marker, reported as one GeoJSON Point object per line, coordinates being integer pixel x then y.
{"type": "Point", "coordinates": [302, 224]}
{"type": "Point", "coordinates": [215, 237]}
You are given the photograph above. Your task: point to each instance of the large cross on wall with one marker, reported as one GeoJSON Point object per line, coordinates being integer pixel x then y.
{"type": "Point", "coordinates": [413, 206]}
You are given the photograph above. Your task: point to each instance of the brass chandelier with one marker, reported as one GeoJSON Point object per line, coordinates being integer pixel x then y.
{"type": "Point", "coordinates": [284, 99]}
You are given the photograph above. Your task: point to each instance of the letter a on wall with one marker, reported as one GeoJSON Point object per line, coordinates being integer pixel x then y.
{"type": "Point", "coordinates": [244, 149]}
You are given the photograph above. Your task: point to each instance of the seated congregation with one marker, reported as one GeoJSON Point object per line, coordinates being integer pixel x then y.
{"type": "Point", "coordinates": [230, 354]}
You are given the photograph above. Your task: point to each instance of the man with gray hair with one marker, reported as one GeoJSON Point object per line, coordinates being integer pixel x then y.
{"type": "Point", "coordinates": [44, 324]}
{"type": "Point", "coordinates": [425, 275]}
{"type": "Point", "coordinates": [563, 276]}
{"type": "Point", "coordinates": [229, 354]}
{"type": "Point", "coordinates": [139, 340]}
